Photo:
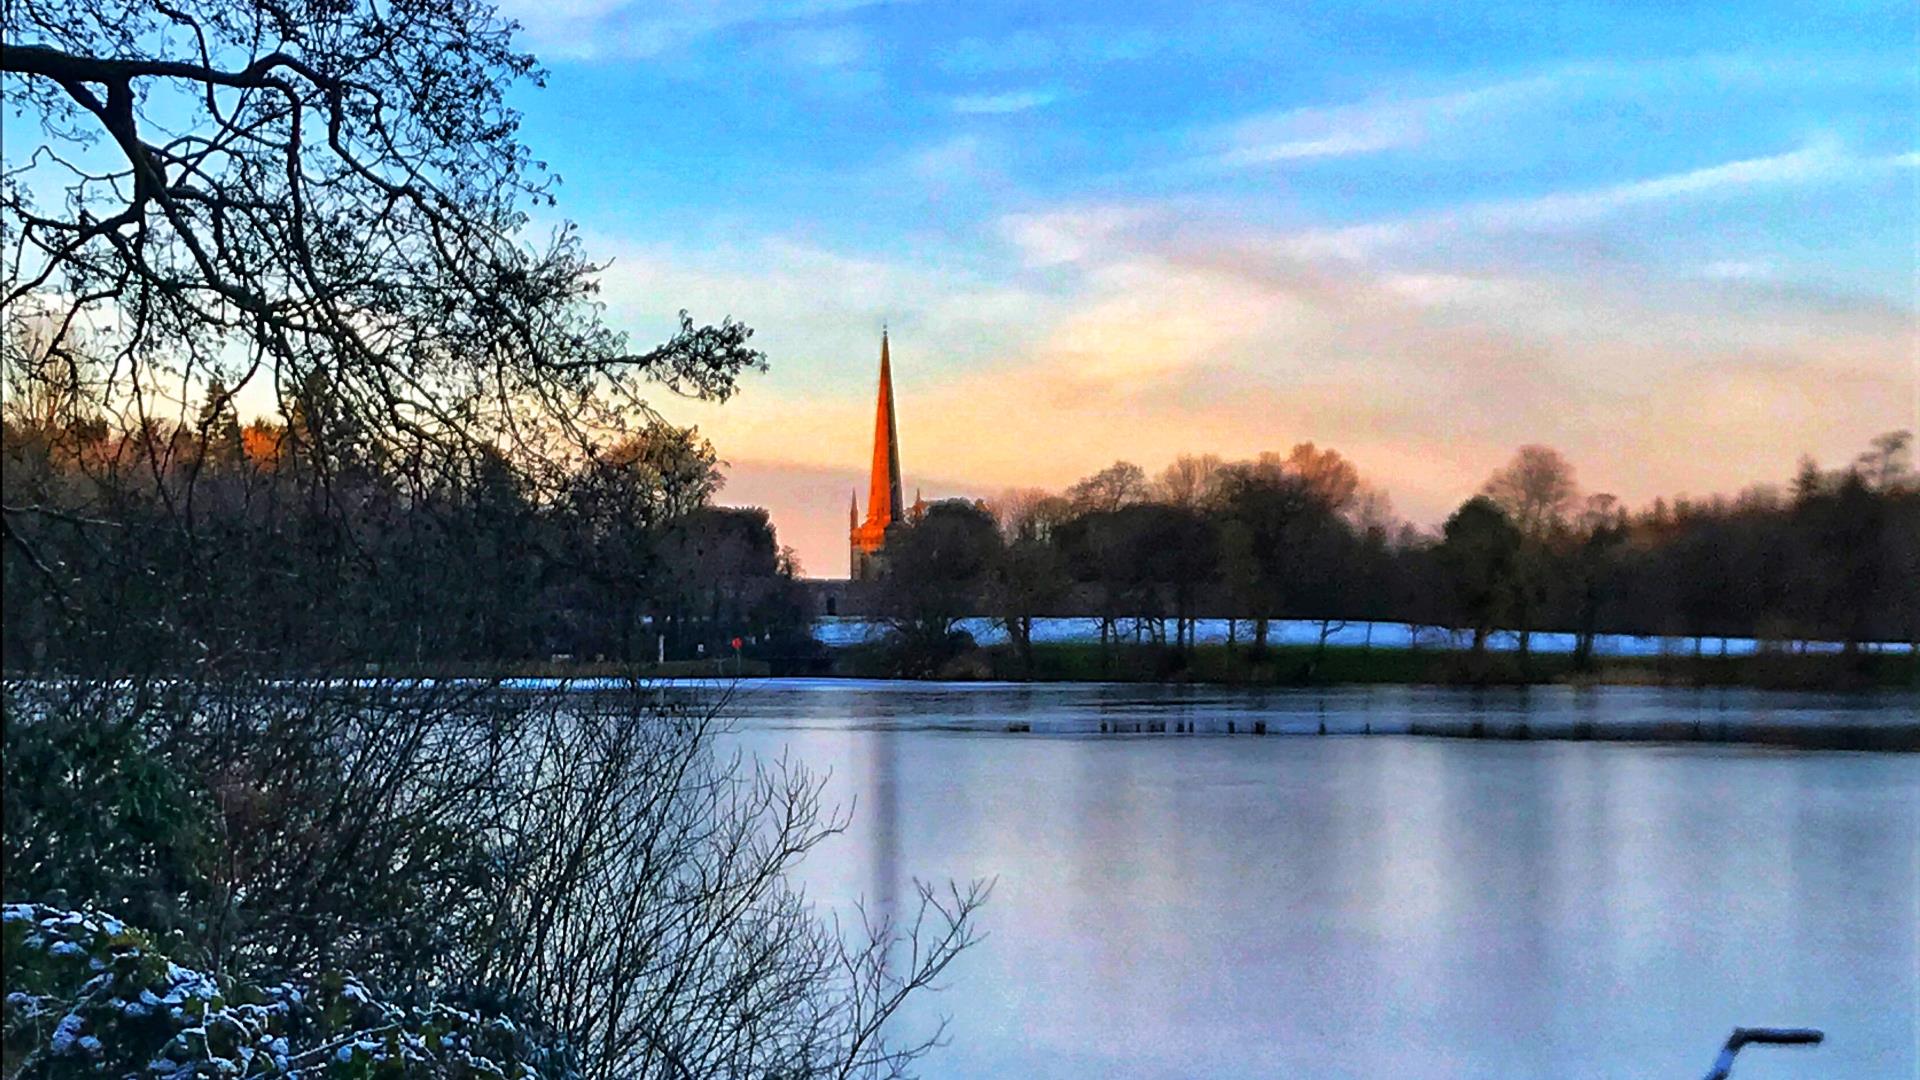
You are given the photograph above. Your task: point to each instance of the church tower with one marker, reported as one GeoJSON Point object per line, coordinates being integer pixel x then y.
{"type": "Point", "coordinates": [884, 504]}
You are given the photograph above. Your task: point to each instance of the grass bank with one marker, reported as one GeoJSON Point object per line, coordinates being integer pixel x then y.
{"type": "Point", "coordinates": [726, 668]}
{"type": "Point", "coordinates": [1292, 665]}
{"type": "Point", "coordinates": [1282, 665]}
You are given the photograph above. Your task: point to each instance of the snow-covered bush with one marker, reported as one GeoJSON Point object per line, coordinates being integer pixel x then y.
{"type": "Point", "coordinates": [89, 996]}
{"type": "Point", "coordinates": [597, 860]}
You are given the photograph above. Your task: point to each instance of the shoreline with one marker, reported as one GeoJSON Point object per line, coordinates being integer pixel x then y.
{"type": "Point", "coordinates": [1871, 719]}
{"type": "Point", "coordinates": [1307, 666]}
{"type": "Point", "coordinates": [1278, 667]}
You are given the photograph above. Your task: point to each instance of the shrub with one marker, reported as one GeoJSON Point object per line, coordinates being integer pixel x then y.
{"type": "Point", "coordinates": [88, 995]}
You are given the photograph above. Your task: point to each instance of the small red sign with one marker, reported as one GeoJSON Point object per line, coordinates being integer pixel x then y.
{"type": "Point", "coordinates": [736, 644]}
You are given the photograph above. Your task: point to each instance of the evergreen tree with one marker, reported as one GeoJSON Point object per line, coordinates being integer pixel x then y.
{"type": "Point", "coordinates": [218, 428]}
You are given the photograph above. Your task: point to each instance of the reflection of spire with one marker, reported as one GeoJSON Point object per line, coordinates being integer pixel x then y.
{"type": "Point", "coordinates": [886, 824]}
{"type": "Point", "coordinates": [884, 781]}
{"type": "Point", "coordinates": [883, 497]}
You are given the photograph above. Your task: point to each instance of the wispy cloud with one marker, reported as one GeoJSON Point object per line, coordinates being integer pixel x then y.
{"type": "Point", "coordinates": [1070, 235]}
{"type": "Point", "coordinates": [1086, 234]}
{"type": "Point", "coordinates": [1498, 109]}
{"type": "Point", "coordinates": [1216, 30]}
{"type": "Point", "coordinates": [1816, 161]}
{"type": "Point", "coordinates": [826, 47]}
{"type": "Point", "coordinates": [604, 29]}
{"type": "Point", "coordinates": [1036, 50]}
{"type": "Point", "coordinates": [1608, 256]}
{"type": "Point", "coordinates": [1362, 127]}
{"type": "Point", "coordinates": [1739, 270]}
{"type": "Point", "coordinates": [1012, 101]}
{"type": "Point", "coordinates": [1820, 161]}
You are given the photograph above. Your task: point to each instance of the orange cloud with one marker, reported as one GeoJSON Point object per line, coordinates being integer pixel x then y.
{"type": "Point", "coordinates": [1426, 378]}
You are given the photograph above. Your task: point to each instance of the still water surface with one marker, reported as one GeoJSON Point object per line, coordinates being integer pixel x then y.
{"type": "Point", "coordinates": [1388, 906]}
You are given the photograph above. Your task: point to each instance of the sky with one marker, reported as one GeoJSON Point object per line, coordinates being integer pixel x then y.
{"type": "Point", "coordinates": [1677, 241]}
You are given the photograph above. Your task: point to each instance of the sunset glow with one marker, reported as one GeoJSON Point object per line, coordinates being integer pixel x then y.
{"type": "Point", "coordinates": [1678, 246]}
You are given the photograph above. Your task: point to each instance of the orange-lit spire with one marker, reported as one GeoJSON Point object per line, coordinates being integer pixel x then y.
{"type": "Point", "coordinates": [883, 497]}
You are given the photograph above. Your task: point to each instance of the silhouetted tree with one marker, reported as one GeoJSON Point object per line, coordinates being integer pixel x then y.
{"type": "Point", "coordinates": [1846, 525]}
{"type": "Point", "coordinates": [219, 428]}
{"type": "Point", "coordinates": [1277, 515]}
{"type": "Point", "coordinates": [324, 206]}
{"type": "Point", "coordinates": [1189, 481]}
{"type": "Point", "coordinates": [1477, 551]}
{"type": "Point", "coordinates": [339, 193]}
{"type": "Point", "coordinates": [1330, 479]}
{"type": "Point", "coordinates": [1591, 562]}
{"type": "Point", "coordinates": [1536, 489]}
{"type": "Point", "coordinates": [1029, 579]}
{"type": "Point", "coordinates": [1119, 484]}
{"type": "Point", "coordinates": [1887, 462]}
{"type": "Point", "coordinates": [937, 572]}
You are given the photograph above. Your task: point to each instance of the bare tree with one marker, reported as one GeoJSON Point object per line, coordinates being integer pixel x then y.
{"type": "Point", "coordinates": [673, 468]}
{"type": "Point", "coordinates": [227, 188]}
{"type": "Point", "coordinates": [650, 910]}
{"type": "Point", "coordinates": [330, 204]}
{"type": "Point", "coordinates": [1120, 484]}
{"type": "Point", "coordinates": [1189, 481]}
{"type": "Point", "coordinates": [48, 377]}
{"type": "Point", "coordinates": [1029, 513]}
{"type": "Point", "coordinates": [600, 858]}
{"type": "Point", "coordinates": [1598, 531]}
{"type": "Point", "coordinates": [1029, 580]}
{"type": "Point", "coordinates": [1888, 461]}
{"type": "Point", "coordinates": [1329, 478]}
{"type": "Point", "coordinates": [1268, 514]}
{"type": "Point", "coordinates": [1536, 489]}
{"type": "Point", "coordinates": [1371, 512]}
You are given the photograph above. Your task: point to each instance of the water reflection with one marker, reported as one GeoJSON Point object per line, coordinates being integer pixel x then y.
{"type": "Point", "coordinates": [882, 779]}
{"type": "Point", "coordinates": [1199, 906]}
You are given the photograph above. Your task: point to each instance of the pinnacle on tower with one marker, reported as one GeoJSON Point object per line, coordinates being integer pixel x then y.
{"type": "Point", "coordinates": [867, 540]}
{"type": "Point", "coordinates": [884, 504]}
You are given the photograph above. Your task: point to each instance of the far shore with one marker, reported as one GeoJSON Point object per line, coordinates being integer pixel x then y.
{"type": "Point", "coordinates": [1860, 720]}
{"type": "Point", "coordinates": [1276, 666]}
{"type": "Point", "coordinates": [1306, 665]}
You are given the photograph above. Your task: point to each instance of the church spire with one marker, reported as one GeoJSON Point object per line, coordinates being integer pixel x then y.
{"type": "Point", "coordinates": [883, 498]}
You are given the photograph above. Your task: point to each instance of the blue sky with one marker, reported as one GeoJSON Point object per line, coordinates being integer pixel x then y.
{"type": "Point", "coordinates": [1676, 240]}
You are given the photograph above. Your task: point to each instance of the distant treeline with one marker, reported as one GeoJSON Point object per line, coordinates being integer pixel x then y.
{"type": "Point", "coordinates": [1833, 557]}
{"type": "Point", "coordinates": [302, 545]}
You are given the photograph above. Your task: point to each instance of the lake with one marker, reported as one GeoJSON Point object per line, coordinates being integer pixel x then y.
{"type": "Point", "coordinates": [1205, 905]}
